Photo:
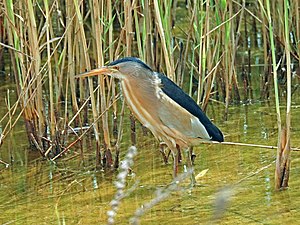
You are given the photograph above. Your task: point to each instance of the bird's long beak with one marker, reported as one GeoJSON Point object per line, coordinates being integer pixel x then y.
{"type": "Point", "coordinates": [106, 70]}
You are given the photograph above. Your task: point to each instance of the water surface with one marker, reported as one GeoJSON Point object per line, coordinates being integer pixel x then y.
{"type": "Point", "coordinates": [36, 191]}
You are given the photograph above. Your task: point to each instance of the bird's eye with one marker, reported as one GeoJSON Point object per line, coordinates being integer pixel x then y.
{"type": "Point", "coordinates": [116, 67]}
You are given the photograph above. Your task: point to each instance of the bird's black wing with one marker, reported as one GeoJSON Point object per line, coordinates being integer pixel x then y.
{"type": "Point", "coordinates": [185, 101]}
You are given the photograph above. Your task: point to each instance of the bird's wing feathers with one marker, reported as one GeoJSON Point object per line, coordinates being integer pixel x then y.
{"type": "Point", "coordinates": [177, 118]}
{"type": "Point", "coordinates": [200, 123]}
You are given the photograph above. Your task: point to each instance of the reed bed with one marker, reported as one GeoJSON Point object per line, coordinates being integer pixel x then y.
{"type": "Point", "coordinates": [198, 44]}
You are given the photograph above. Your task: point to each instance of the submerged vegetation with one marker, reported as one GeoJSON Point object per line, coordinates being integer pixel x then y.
{"type": "Point", "coordinates": [206, 47]}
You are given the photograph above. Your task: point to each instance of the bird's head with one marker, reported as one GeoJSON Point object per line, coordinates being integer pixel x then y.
{"type": "Point", "coordinates": [122, 68]}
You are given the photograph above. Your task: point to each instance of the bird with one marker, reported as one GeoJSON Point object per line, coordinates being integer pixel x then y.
{"type": "Point", "coordinates": [159, 104]}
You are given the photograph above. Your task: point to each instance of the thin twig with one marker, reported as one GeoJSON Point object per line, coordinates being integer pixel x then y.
{"type": "Point", "coordinates": [16, 50]}
{"type": "Point", "coordinates": [245, 144]}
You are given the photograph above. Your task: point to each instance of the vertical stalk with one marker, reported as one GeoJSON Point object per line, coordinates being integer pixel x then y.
{"type": "Point", "coordinates": [161, 31]}
{"type": "Point", "coordinates": [203, 56]}
{"type": "Point", "coordinates": [50, 77]}
{"type": "Point", "coordinates": [88, 67]}
{"type": "Point", "coordinates": [147, 34]}
{"type": "Point", "coordinates": [34, 45]}
{"type": "Point", "coordinates": [266, 76]}
{"type": "Point", "coordinates": [283, 149]}
{"type": "Point", "coordinates": [285, 163]}
{"type": "Point", "coordinates": [273, 52]}
{"type": "Point", "coordinates": [128, 30]}
{"type": "Point", "coordinates": [14, 40]}
{"type": "Point", "coordinates": [70, 39]}
{"type": "Point", "coordinates": [137, 31]}
{"type": "Point", "coordinates": [297, 26]}
{"type": "Point", "coordinates": [288, 66]}
{"type": "Point", "coordinates": [98, 13]}
{"type": "Point", "coordinates": [128, 26]}
{"type": "Point", "coordinates": [110, 29]}
{"type": "Point", "coordinates": [200, 32]}
{"type": "Point", "coordinates": [228, 57]}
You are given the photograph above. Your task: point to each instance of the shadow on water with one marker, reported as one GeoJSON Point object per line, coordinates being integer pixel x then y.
{"type": "Point", "coordinates": [237, 188]}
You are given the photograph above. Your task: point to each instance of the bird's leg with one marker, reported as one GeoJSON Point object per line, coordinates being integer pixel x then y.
{"type": "Point", "coordinates": [169, 152]}
{"type": "Point", "coordinates": [189, 163]}
{"type": "Point", "coordinates": [175, 163]}
{"type": "Point", "coordinates": [192, 155]}
{"type": "Point", "coordinates": [162, 146]}
{"type": "Point", "coordinates": [179, 153]}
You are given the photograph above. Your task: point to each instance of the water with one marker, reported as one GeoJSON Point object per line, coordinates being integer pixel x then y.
{"type": "Point", "coordinates": [238, 187]}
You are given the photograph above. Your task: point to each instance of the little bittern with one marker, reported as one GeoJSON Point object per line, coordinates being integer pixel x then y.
{"type": "Point", "coordinates": [160, 105]}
